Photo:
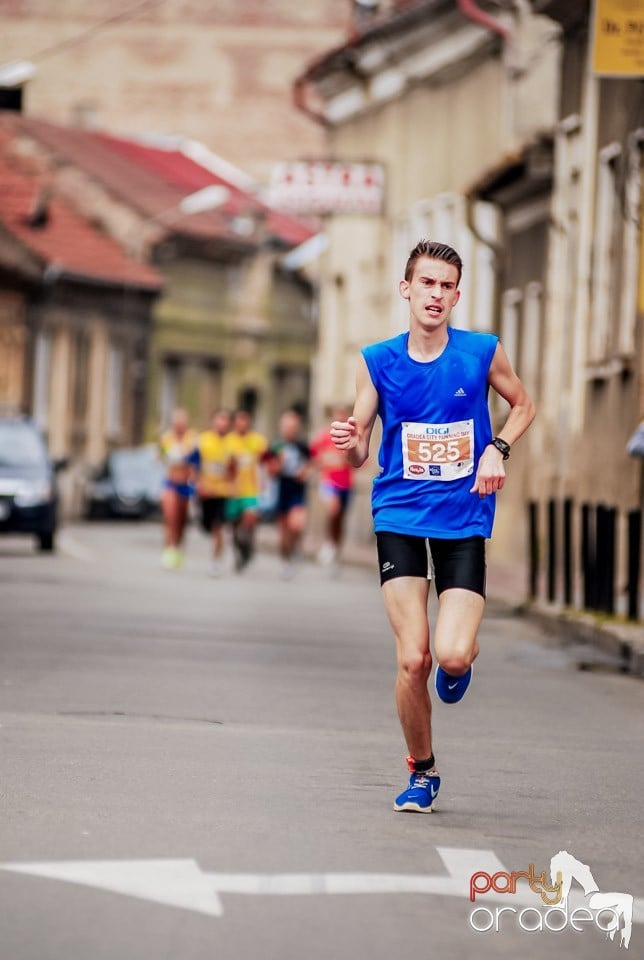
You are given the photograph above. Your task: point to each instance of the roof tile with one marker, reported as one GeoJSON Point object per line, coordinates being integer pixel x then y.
{"type": "Point", "coordinates": [66, 240]}
{"type": "Point", "coordinates": [154, 180]}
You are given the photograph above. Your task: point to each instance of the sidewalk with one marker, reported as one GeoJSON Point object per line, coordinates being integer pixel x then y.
{"type": "Point", "coordinates": [619, 642]}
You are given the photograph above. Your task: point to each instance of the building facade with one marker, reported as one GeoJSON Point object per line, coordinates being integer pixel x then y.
{"type": "Point", "coordinates": [75, 324]}
{"type": "Point", "coordinates": [497, 138]}
{"type": "Point", "coordinates": [219, 73]}
{"type": "Point", "coordinates": [233, 325]}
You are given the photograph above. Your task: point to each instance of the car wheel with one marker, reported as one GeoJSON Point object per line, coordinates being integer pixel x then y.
{"type": "Point", "coordinates": [46, 541]}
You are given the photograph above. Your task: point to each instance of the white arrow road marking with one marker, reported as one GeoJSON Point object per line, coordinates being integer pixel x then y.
{"type": "Point", "coordinates": [175, 883]}
{"type": "Point", "coordinates": [460, 864]}
{"type": "Point", "coordinates": [183, 884]}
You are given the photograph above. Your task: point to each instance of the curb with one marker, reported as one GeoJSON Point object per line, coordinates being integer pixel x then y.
{"type": "Point", "coordinates": [622, 642]}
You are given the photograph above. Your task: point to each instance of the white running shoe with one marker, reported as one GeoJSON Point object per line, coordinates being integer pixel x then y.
{"type": "Point", "coordinates": [327, 554]}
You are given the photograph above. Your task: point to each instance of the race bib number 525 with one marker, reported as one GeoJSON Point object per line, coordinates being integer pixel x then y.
{"type": "Point", "coordinates": [438, 451]}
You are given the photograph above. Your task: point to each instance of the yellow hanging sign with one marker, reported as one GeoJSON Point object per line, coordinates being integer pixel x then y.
{"type": "Point", "coordinates": [618, 38]}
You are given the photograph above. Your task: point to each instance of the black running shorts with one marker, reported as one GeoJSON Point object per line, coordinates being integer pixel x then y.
{"type": "Point", "coordinates": [213, 512]}
{"type": "Point", "coordinates": [450, 563]}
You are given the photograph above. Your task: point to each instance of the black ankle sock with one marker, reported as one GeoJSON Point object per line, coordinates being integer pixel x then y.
{"type": "Point", "coordinates": [422, 766]}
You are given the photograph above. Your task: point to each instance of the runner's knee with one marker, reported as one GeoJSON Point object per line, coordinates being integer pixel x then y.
{"type": "Point", "coordinates": [456, 664]}
{"type": "Point", "coordinates": [415, 666]}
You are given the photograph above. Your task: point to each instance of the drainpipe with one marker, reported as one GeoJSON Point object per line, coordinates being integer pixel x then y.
{"type": "Point", "coordinates": [470, 10]}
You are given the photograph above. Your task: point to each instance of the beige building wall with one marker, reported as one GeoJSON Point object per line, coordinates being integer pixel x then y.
{"type": "Point", "coordinates": [434, 141]}
{"type": "Point", "coordinates": [218, 72]}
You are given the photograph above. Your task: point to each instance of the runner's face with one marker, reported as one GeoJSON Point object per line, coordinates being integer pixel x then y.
{"type": "Point", "coordinates": [432, 293]}
{"type": "Point", "coordinates": [289, 426]}
{"type": "Point", "coordinates": [242, 423]}
{"type": "Point", "coordinates": [221, 423]}
{"type": "Point", "coordinates": [180, 422]}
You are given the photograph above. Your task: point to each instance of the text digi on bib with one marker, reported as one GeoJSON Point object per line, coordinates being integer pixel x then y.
{"type": "Point", "coordinates": [438, 451]}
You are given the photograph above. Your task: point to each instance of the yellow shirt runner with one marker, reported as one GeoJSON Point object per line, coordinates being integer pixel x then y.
{"type": "Point", "coordinates": [216, 465]}
{"type": "Point", "coordinates": [247, 449]}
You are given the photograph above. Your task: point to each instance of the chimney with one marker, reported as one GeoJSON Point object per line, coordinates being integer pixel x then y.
{"type": "Point", "coordinates": [38, 216]}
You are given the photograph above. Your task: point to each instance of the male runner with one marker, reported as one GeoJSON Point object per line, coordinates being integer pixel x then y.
{"type": "Point", "coordinates": [289, 459]}
{"type": "Point", "coordinates": [433, 500]}
{"type": "Point", "coordinates": [216, 473]}
{"type": "Point", "coordinates": [336, 485]}
{"type": "Point", "coordinates": [242, 510]}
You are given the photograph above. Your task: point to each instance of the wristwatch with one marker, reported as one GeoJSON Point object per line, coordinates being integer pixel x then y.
{"type": "Point", "coordinates": [501, 446]}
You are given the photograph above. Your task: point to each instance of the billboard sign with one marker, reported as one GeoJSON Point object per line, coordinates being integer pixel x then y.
{"type": "Point", "coordinates": [324, 187]}
{"type": "Point", "coordinates": [618, 38]}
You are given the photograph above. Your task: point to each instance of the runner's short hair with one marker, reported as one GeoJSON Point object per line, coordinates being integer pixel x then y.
{"type": "Point", "coordinates": [436, 251]}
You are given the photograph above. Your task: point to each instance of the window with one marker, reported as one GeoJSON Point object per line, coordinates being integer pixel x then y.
{"type": "Point", "coordinates": [481, 266]}
{"type": "Point", "coordinates": [400, 248]}
{"type": "Point", "coordinates": [531, 338]}
{"type": "Point", "coordinates": [11, 99]}
{"type": "Point", "coordinates": [80, 387]}
{"type": "Point", "coordinates": [247, 399]}
{"type": "Point", "coordinates": [444, 217]}
{"type": "Point", "coordinates": [169, 390]}
{"type": "Point", "coordinates": [603, 272]}
{"type": "Point", "coordinates": [510, 314]}
{"type": "Point", "coordinates": [631, 243]}
{"type": "Point", "coordinates": [42, 377]}
{"type": "Point", "coordinates": [115, 370]}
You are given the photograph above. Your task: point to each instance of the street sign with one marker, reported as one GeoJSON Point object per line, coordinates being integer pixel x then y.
{"type": "Point", "coordinates": [618, 38]}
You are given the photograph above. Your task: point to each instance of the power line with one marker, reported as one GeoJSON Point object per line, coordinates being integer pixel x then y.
{"type": "Point", "coordinates": [127, 14]}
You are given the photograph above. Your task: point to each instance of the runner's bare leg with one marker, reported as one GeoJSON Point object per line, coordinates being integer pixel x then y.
{"type": "Point", "coordinates": [405, 601]}
{"type": "Point", "coordinates": [459, 618]}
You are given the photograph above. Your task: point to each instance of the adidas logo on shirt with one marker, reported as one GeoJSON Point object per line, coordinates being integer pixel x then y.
{"type": "Point", "coordinates": [460, 392]}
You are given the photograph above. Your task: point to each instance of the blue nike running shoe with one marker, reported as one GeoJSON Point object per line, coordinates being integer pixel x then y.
{"type": "Point", "coordinates": [451, 689]}
{"type": "Point", "coordinates": [420, 794]}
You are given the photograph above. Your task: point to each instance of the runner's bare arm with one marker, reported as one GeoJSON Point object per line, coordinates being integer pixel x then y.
{"type": "Point", "coordinates": [354, 434]}
{"type": "Point", "coordinates": [506, 383]}
{"type": "Point", "coordinates": [490, 474]}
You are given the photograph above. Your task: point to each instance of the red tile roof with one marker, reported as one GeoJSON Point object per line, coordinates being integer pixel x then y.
{"type": "Point", "coordinates": [66, 242]}
{"type": "Point", "coordinates": [154, 180]}
{"type": "Point", "coordinates": [187, 176]}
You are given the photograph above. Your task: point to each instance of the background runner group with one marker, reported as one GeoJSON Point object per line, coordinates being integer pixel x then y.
{"type": "Point", "coordinates": [236, 476]}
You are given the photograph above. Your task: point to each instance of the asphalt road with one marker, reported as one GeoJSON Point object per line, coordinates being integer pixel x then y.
{"type": "Point", "coordinates": [237, 738]}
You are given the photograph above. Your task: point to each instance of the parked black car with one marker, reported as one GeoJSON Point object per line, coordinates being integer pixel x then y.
{"type": "Point", "coordinates": [127, 484]}
{"type": "Point", "coordinates": [28, 490]}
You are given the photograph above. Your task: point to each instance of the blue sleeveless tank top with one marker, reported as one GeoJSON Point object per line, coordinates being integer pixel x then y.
{"type": "Point", "coordinates": [435, 426]}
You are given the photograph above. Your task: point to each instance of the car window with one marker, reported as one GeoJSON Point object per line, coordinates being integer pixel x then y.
{"type": "Point", "coordinates": [134, 465]}
{"type": "Point", "coordinates": [20, 446]}
{"type": "Point", "coordinates": [130, 463]}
